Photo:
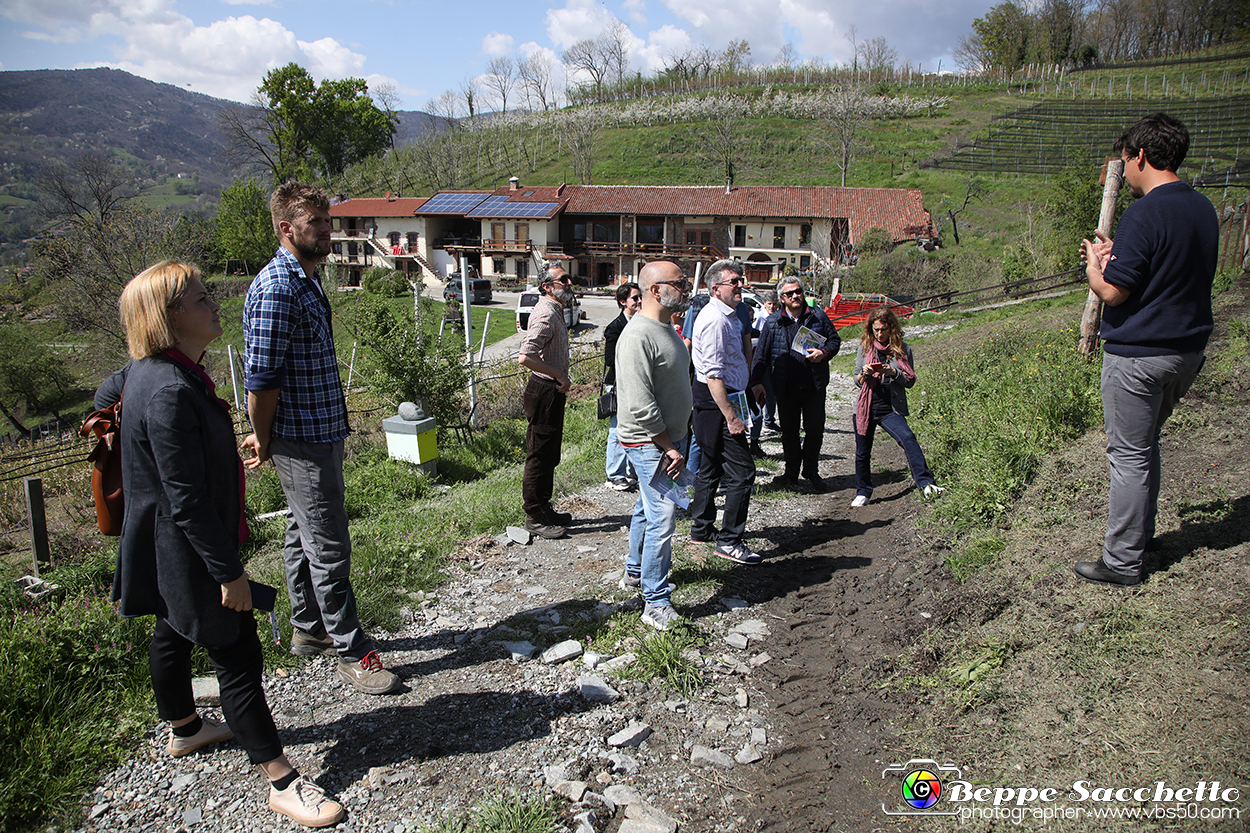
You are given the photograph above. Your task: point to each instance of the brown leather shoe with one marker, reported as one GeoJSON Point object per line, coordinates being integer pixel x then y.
{"type": "Point", "coordinates": [308, 645]}
{"type": "Point", "coordinates": [544, 528]}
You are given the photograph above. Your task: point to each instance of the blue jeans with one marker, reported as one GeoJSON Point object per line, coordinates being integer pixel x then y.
{"type": "Point", "coordinates": [769, 412]}
{"type": "Point", "coordinates": [1138, 396]}
{"type": "Point", "coordinates": [617, 464]}
{"type": "Point", "coordinates": [896, 426]}
{"type": "Point", "coordinates": [651, 529]}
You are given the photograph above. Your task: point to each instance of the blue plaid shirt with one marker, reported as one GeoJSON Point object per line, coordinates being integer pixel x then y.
{"type": "Point", "coordinates": [288, 346]}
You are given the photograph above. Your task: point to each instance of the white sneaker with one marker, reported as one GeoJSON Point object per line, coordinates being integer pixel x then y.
{"type": "Point", "coordinates": [306, 803]}
{"type": "Point", "coordinates": [660, 617]}
{"type": "Point", "coordinates": [933, 490]}
{"type": "Point", "coordinates": [619, 484]}
{"type": "Point", "coordinates": [860, 500]}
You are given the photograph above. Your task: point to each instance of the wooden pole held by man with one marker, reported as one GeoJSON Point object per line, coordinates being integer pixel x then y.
{"type": "Point", "coordinates": [1091, 317]}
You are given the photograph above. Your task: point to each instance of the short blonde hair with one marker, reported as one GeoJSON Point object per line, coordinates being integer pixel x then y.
{"type": "Point", "coordinates": [146, 302]}
{"type": "Point", "coordinates": [293, 199]}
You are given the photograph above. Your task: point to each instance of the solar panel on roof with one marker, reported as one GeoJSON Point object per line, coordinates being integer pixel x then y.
{"type": "Point", "coordinates": [502, 207]}
{"type": "Point", "coordinates": [452, 203]}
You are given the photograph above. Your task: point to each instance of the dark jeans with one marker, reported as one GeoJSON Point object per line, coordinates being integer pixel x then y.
{"type": "Point", "coordinates": [896, 426]}
{"type": "Point", "coordinates": [723, 456]}
{"type": "Point", "coordinates": [238, 668]}
{"type": "Point", "coordinates": [807, 404]}
{"type": "Point", "coordinates": [544, 408]}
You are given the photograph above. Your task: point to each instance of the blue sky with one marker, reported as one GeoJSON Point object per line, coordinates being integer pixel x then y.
{"type": "Point", "coordinates": [426, 47]}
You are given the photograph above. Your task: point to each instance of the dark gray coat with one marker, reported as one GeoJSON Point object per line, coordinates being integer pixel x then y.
{"type": "Point", "coordinates": [180, 473]}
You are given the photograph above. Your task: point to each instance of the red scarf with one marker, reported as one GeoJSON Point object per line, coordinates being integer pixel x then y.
{"type": "Point", "coordinates": [181, 358]}
{"type": "Point", "coordinates": [878, 353]}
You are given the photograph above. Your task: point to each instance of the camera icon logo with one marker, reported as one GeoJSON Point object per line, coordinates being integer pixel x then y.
{"type": "Point", "coordinates": [921, 786]}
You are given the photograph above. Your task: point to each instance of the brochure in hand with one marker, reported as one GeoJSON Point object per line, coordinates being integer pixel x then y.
{"type": "Point", "coordinates": [806, 339]}
{"type": "Point", "coordinates": [678, 489]}
{"type": "Point", "coordinates": [741, 403]}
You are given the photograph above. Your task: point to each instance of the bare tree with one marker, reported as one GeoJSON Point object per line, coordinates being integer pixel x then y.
{"type": "Point", "coordinates": [468, 94]}
{"type": "Point", "coordinates": [535, 73]}
{"type": "Point", "coordinates": [788, 56]}
{"type": "Point", "coordinates": [250, 132]}
{"type": "Point", "coordinates": [500, 78]}
{"type": "Point", "coordinates": [88, 189]}
{"type": "Point", "coordinates": [971, 54]}
{"type": "Point", "coordinates": [972, 191]}
{"type": "Point", "coordinates": [581, 135]}
{"type": "Point", "coordinates": [614, 45]}
{"type": "Point", "coordinates": [878, 54]}
{"type": "Point", "coordinates": [587, 56]}
{"type": "Point", "coordinates": [852, 35]}
{"type": "Point", "coordinates": [445, 111]}
{"type": "Point", "coordinates": [386, 96]}
{"type": "Point", "coordinates": [723, 146]}
{"type": "Point", "coordinates": [843, 121]}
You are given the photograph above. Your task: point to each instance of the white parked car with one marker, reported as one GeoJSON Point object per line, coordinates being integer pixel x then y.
{"type": "Point", "coordinates": [526, 301]}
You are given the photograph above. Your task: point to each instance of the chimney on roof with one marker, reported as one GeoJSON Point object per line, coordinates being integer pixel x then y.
{"type": "Point", "coordinates": [729, 185]}
{"type": "Point", "coordinates": [560, 190]}
{"type": "Point", "coordinates": [389, 198]}
{"type": "Point", "coordinates": [514, 184]}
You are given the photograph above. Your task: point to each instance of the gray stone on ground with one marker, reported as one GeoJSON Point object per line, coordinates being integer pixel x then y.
{"type": "Point", "coordinates": [193, 816]}
{"type": "Point", "coordinates": [741, 700]}
{"type": "Point", "coordinates": [519, 534]}
{"type": "Point", "coordinates": [717, 725]}
{"type": "Point", "coordinates": [754, 628]}
{"type": "Point", "coordinates": [562, 652]}
{"type": "Point", "coordinates": [591, 659]}
{"type": "Point", "coordinates": [734, 604]}
{"type": "Point", "coordinates": [554, 774]}
{"type": "Point", "coordinates": [758, 736]}
{"type": "Point", "coordinates": [759, 659]}
{"type": "Point", "coordinates": [617, 663]}
{"type": "Point", "coordinates": [206, 691]}
{"type": "Point", "coordinates": [631, 735]}
{"type": "Point", "coordinates": [747, 755]}
{"type": "Point", "coordinates": [520, 651]}
{"type": "Point", "coordinates": [643, 818]}
{"type": "Point", "coordinates": [737, 640]}
{"type": "Point", "coordinates": [623, 764]}
{"type": "Point", "coordinates": [572, 790]}
{"type": "Point", "coordinates": [595, 690]}
{"type": "Point", "coordinates": [702, 756]}
{"type": "Point", "coordinates": [622, 795]}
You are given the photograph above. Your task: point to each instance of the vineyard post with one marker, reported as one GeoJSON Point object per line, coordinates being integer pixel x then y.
{"type": "Point", "coordinates": [1093, 307]}
{"type": "Point", "coordinates": [38, 522]}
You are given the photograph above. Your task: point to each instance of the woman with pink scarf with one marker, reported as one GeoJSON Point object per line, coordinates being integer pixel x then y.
{"type": "Point", "coordinates": [883, 372]}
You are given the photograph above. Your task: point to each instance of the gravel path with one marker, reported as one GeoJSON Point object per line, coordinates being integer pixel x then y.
{"type": "Point", "coordinates": [476, 720]}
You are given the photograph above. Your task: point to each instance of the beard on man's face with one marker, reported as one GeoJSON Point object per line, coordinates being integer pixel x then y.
{"type": "Point", "coordinates": [673, 300]}
{"type": "Point", "coordinates": [316, 250]}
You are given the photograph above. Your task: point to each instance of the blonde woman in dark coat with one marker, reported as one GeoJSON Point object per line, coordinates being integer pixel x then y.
{"type": "Point", "coordinates": [178, 558]}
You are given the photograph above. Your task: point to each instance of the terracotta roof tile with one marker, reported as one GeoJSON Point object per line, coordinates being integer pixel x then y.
{"type": "Point", "coordinates": [378, 207]}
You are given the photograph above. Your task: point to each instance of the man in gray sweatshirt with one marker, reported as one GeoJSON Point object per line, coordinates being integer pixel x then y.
{"type": "Point", "coordinates": [654, 400]}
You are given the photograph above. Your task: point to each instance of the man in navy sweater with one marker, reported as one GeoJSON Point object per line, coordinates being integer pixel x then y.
{"type": "Point", "coordinates": [1155, 280]}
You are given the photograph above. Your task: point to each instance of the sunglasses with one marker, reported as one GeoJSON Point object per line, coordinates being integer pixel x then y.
{"type": "Point", "coordinates": [732, 282]}
{"type": "Point", "coordinates": [677, 284]}
{"type": "Point", "coordinates": [791, 293]}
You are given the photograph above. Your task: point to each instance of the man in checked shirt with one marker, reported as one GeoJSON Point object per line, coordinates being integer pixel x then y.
{"type": "Point", "coordinates": [545, 351]}
{"type": "Point", "coordinates": [299, 420]}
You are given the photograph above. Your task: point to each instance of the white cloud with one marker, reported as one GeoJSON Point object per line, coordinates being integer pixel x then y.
{"type": "Point", "coordinates": [496, 44]}
{"type": "Point", "coordinates": [637, 10]}
{"type": "Point", "coordinates": [661, 44]}
{"type": "Point", "coordinates": [578, 20]}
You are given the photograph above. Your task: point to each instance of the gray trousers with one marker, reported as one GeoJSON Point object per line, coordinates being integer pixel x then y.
{"type": "Point", "coordinates": [1138, 396]}
{"type": "Point", "coordinates": [318, 549]}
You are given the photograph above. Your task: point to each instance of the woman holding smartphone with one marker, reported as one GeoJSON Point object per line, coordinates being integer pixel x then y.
{"type": "Point", "coordinates": [178, 557]}
{"type": "Point", "coordinates": [884, 370]}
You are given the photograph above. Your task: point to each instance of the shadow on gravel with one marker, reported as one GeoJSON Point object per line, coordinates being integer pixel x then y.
{"type": "Point", "coordinates": [449, 724]}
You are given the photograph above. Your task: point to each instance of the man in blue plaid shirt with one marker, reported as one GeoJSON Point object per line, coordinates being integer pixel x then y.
{"type": "Point", "coordinates": [299, 420]}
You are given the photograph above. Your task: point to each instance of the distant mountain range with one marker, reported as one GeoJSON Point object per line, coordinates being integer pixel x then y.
{"type": "Point", "coordinates": [162, 131]}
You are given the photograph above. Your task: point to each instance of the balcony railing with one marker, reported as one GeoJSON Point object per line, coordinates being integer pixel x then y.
{"type": "Point", "coordinates": [495, 244]}
{"type": "Point", "coordinates": [689, 252]}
